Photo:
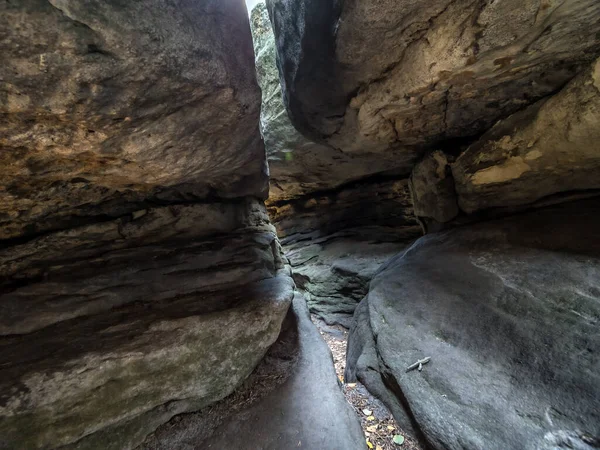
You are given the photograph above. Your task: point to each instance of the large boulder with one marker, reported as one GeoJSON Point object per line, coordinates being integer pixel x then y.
{"type": "Point", "coordinates": [111, 104]}
{"type": "Point", "coordinates": [508, 312]}
{"type": "Point", "coordinates": [139, 274]}
{"type": "Point", "coordinates": [548, 149]}
{"type": "Point", "coordinates": [297, 165]}
{"type": "Point", "coordinates": [391, 79]}
{"type": "Point", "coordinates": [114, 328]}
{"type": "Point", "coordinates": [307, 410]}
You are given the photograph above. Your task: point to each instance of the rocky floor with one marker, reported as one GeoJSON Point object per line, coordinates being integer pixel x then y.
{"type": "Point", "coordinates": [291, 401]}
{"type": "Point", "coordinates": [378, 424]}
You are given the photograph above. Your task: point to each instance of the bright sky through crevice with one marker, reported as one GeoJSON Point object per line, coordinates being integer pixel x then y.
{"type": "Point", "coordinates": [250, 4]}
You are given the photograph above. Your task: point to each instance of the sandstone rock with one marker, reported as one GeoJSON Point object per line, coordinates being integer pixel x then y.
{"type": "Point", "coordinates": [307, 411]}
{"type": "Point", "coordinates": [382, 204]}
{"type": "Point", "coordinates": [297, 165]}
{"type": "Point", "coordinates": [139, 274]}
{"type": "Point", "coordinates": [111, 339]}
{"type": "Point", "coordinates": [392, 79]}
{"type": "Point", "coordinates": [107, 105]}
{"type": "Point", "coordinates": [335, 241]}
{"type": "Point", "coordinates": [508, 311]}
{"type": "Point", "coordinates": [550, 148]}
{"type": "Point", "coordinates": [432, 189]}
{"type": "Point", "coordinates": [334, 272]}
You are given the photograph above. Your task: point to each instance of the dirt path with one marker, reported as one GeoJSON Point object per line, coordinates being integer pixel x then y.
{"type": "Point", "coordinates": [377, 422]}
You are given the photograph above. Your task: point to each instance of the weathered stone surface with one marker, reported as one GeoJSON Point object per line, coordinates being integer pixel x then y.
{"type": "Point", "coordinates": [376, 203]}
{"type": "Point", "coordinates": [552, 147]}
{"type": "Point", "coordinates": [508, 311]}
{"type": "Point", "coordinates": [391, 79]}
{"type": "Point", "coordinates": [113, 338]}
{"type": "Point", "coordinates": [139, 274]}
{"type": "Point", "coordinates": [307, 411]}
{"type": "Point", "coordinates": [109, 104]}
{"type": "Point", "coordinates": [334, 271]}
{"type": "Point", "coordinates": [432, 189]}
{"type": "Point", "coordinates": [297, 165]}
{"type": "Point", "coordinates": [335, 241]}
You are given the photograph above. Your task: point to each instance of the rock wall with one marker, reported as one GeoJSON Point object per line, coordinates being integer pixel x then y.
{"type": "Point", "coordinates": [140, 276]}
{"type": "Point", "coordinates": [335, 241]}
{"type": "Point", "coordinates": [372, 77]}
{"type": "Point", "coordinates": [485, 105]}
{"type": "Point", "coordinates": [507, 311]}
{"type": "Point", "coordinates": [298, 166]}
{"type": "Point", "coordinates": [548, 149]}
{"type": "Point", "coordinates": [482, 109]}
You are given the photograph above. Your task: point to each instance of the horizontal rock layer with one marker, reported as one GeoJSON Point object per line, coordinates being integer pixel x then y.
{"type": "Point", "coordinates": [550, 148]}
{"type": "Point", "coordinates": [546, 153]}
{"type": "Point", "coordinates": [508, 312]}
{"type": "Point", "coordinates": [373, 202]}
{"type": "Point", "coordinates": [119, 334]}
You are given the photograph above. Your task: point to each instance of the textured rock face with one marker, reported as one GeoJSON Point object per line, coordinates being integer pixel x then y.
{"type": "Point", "coordinates": [552, 147]}
{"type": "Point", "coordinates": [308, 410]}
{"type": "Point", "coordinates": [109, 104]}
{"type": "Point", "coordinates": [297, 165]}
{"type": "Point", "coordinates": [508, 312]}
{"type": "Point", "coordinates": [432, 189]}
{"type": "Point", "coordinates": [334, 243]}
{"type": "Point", "coordinates": [391, 80]}
{"type": "Point", "coordinates": [334, 272]}
{"type": "Point", "coordinates": [374, 203]}
{"type": "Point", "coordinates": [139, 274]}
{"type": "Point", "coordinates": [109, 330]}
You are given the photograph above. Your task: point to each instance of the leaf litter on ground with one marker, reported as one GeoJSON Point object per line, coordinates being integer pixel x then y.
{"type": "Point", "coordinates": [381, 430]}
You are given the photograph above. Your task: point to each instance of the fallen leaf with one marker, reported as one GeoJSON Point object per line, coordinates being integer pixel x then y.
{"type": "Point", "coordinates": [379, 447]}
{"type": "Point", "coordinates": [369, 444]}
{"type": "Point", "coordinates": [372, 428]}
{"type": "Point", "coordinates": [367, 412]}
{"type": "Point", "coordinates": [351, 385]}
{"type": "Point", "coordinates": [398, 439]}
{"type": "Point", "coordinates": [370, 418]}
{"type": "Point", "coordinates": [367, 434]}
{"type": "Point", "coordinates": [391, 428]}
{"type": "Point", "coordinates": [341, 378]}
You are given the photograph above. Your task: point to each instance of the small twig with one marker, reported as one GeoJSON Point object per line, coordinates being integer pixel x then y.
{"type": "Point", "coordinates": [419, 364]}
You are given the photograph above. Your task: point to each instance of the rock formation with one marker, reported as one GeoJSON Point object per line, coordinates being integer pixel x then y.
{"type": "Point", "coordinates": [298, 166]}
{"type": "Point", "coordinates": [335, 242]}
{"type": "Point", "coordinates": [369, 77]}
{"type": "Point", "coordinates": [483, 110]}
{"type": "Point", "coordinates": [548, 149]}
{"type": "Point", "coordinates": [337, 224]}
{"type": "Point", "coordinates": [140, 276]}
{"type": "Point", "coordinates": [508, 312]}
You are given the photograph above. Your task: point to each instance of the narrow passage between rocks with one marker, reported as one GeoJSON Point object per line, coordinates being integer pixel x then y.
{"type": "Point", "coordinates": [378, 424]}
